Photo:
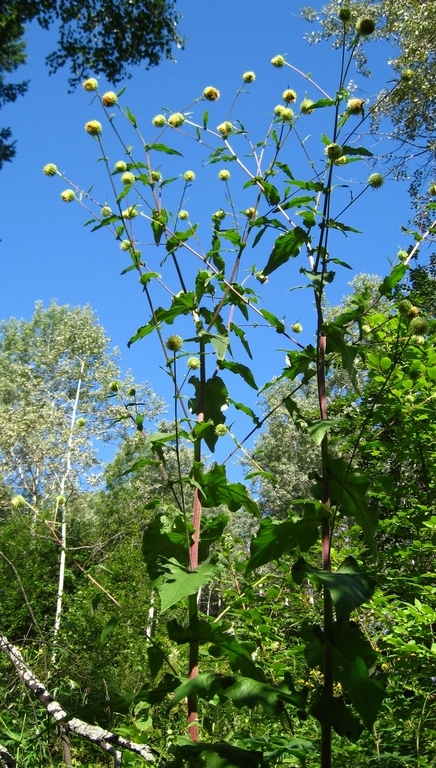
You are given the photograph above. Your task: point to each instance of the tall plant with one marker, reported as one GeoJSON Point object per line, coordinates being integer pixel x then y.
{"type": "Point", "coordinates": [202, 292]}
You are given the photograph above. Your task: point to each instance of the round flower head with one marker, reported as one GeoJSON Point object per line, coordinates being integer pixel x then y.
{"type": "Point", "coordinates": [109, 99]}
{"type": "Point", "coordinates": [80, 423]}
{"type": "Point", "coordinates": [189, 176]}
{"type": "Point", "coordinates": [365, 26]}
{"type": "Point", "coordinates": [211, 94]}
{"type": "Point", "coordinates": [93, 127]}
{"type": "Point", "coordinates": [289, 96]}
{"type": "Point", "coordinates": [224, 175]}
{"type": "Point", "coordinates": [125, 245]}
{"type": "Point", "coordinates": [106, 211]}
{"type": "Point", "coordinates": [278, 61]}
{"type": "Point", "coordinates": [306, 106]}
{"type": "Point", "coordinates": [297, 327]}
{"type": "Point", "coordinates": [128, 177]}
{"type": "Point", "coordinates": [91, 84]}
{"type": "Point", "coordinates": [176, 120]}
{"type": "Point", "coordinates": [249, 77]}
{"type": "Point", "coordinates": [279, 109]}
{"type": "Point", "coordinates": [183, 215]}
{"type": "Point", "coordinates": [50, 169]}
{"type": "Point", "coordinates": [344, 14]}
{"type": "Point", "coordinates": [159, 121]}
{"type": "Point", "coordinates": [333, 151]}
{"type": "Point", "coordinates": [130, 212]}
{"type": "Point", "coordinates": [375, 180]}
{"type": "Point", "coordinates": [225, 128]}
{"type": "Point", "coordinates": [193, 363]}
{"type": "Point", "coordinates": [120, 166]}
{"type": "Point", "coordinates": [174, 343]}
{"type": "Point", "coordinates": [286, 114]}
{"type": "Point", "coordinates": [355, 106]}
{"type": "Point", "coordinates": [155, 175]}
{"type": "Point", "coordinates": [418, 326]}
{"type": "Point", "coordinates": [221, 430]}
{"type": "Point", "coordinates": [413, 312]}
{"type": "Point", "coordinates": [402, 255]}
{"type": "Point", "coordinates": [432, 190]}
{"type": "Point", "coordinates": [68, 195]}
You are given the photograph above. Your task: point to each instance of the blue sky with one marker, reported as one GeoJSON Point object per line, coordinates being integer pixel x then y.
{"type": "Point", "coordinates": [46, 252]}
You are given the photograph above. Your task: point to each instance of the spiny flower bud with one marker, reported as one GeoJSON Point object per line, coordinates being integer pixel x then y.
{"type": "Point", "coordinates": [221, 430]}
{"type": "Point", "coordinates": [120, 166]}
{"type": "Point", "coordinates": [413, 312]}
{"type": "Point", "coordinates": [251, 213]}
{"type": "Point", "coordinates": [278, 61]}
{"type": "Point", "coordinates": [106, 211]}
{"type": "Point", "coordinates": [114, 386]}
{"type": "Point", "coordinates": [125, 245]}
{"type": "Point", "coordinates": [225, 128]}
{"type": "Point", "coordinates": [19, 501]}
{"type": "Point", "coordinates": [404, 306]}
{"type": "Point", "coordinates": [131, 392]}
{"type": "Point", "coordinates": [297, 328]}
{"type": "Point", "coordinates": [402, 255]}
{"type": "Point", "coordinates": [130, 212]}
{"type": "Point", "coordinates": [341, 160]}
{"type": "Point", "coordinates": [155, 176]}
{"type": "Point", "coordinates": [68, 195]}
{"type": "Point", "coordinates": [80, 423]}
{"type": "Point", "coordinates": [91, 84]}
{"type": "Point", "coordinates": [432, 190]}
{"type": "Point", "coordinates": [176, 120]}
{"type": "Point", "coordinates": [189, 176]}
{"type": "Point", "coordinates": [249, 77]}
{"type": "Point", "coordinates": [407, 74]}
{"type": "Point", "coordinates": [50, 169]}
{"type": "Point", "coordinates": [344, 14]}
{"type": "Point", "coordinates": [159, 121]}
{"type": "Point", "coordinates": [219, 215]}
{"type": "Point", "coordinates": [333, 151]}
{"type": "Point", "coordinates": [365, 26]}
{"type": "Point", "coordinates": [419, 326]}
{"type": "Point", "coordinates": [174, 343]}
{"type": "Point", "coordinates": [224, 175]}
{"type": "Point", "coordinates": [183, 215]}
{"type": "Point", "coordinates": [355, 106]}
{"type": "Point", "coordinates": [306, 106]}
{"type": "Point", "coordinates": [128, 178]}
{"type": "Point", "coordinates": [193, 363]}
{"type": "Point", "coordinates": [109, 99]}
{"type": "Point", "coordinates": [289, 96]}
{"type": "Point", "coordinates": [93, 127]}
{"type": "Point", "coordinates": [376, 180]}
{"type": "Point", "coordinates": [211, 94]}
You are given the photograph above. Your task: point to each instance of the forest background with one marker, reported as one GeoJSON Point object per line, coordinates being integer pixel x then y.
{"type": "Point", "coordinates": [286, 658]}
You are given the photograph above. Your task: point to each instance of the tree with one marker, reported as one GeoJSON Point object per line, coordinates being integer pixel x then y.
{"type": "Point", "coordinates": [98, 37]}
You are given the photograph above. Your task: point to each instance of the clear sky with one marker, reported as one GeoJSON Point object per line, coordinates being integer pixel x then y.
{"type": "Point", "coordinates": [46, 252]}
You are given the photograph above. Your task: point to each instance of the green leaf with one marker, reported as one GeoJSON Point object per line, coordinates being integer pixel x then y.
{"type": "Point", "coordinates": [177, 582]}
{"type": "Point", "coordinates": [162, 148]}
{"type": "Point", "coordinates": [216, 490]}
{"type": "Point", "coordinates": [108, 629]}
{"type": "Point", "coordinates": [175, 241]}
{"type": "Point", "coordinates": [334, 711]}
{"type": "Point", "coordinates": [211, 402]}
{"type": "Point", "coordinates": [392, 280]}
{"type": "Point", "coordinates": [131, 117]}
{"type": "Point", "coordinates": [159, 220]}
{"type": "Point", "coordinates": [286, 247]}
{"type": "Point", "coordinates": [275, 538]}
{"type": "Point", "coordinates": [349, 586]}
{"type": "Point", "coordinates": [239, 369]}
{"type": "Point", "coordinates": [336, 343]}
{"type": "Point", "coordinates": [182, 304]}
{"type": "Point", "coordinates": [215, 755]}
{"type": "Point", "coordinates": [356, 151]}
{"type": "Point", "coordinates": [164, 541]}
{"type": "Point", "coordinates": [156, 659]}
{"type": "Point", "coordinates": [273, 320]}
{"type": "Point", "coordinates": [317, 428]}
